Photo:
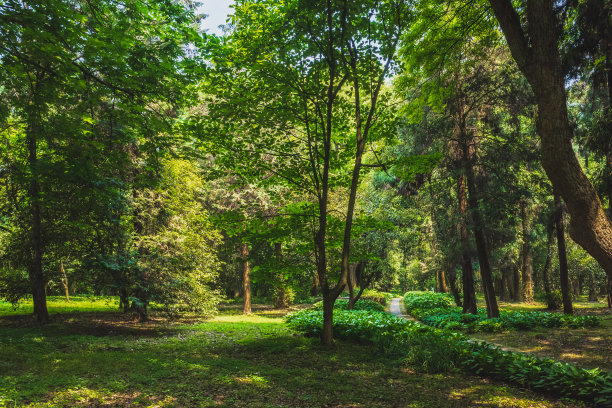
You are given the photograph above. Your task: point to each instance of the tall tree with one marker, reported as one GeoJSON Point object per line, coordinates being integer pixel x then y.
{"type": "Point", "coordinates": [535, 47]}
{"type": "Point", "coordinates": [302, 82]}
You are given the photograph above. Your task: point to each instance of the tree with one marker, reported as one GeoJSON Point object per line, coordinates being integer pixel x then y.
{"type": "Point", "coordinates": [78, 99]}
{"type": "Point", "coordinates": [535, 48]}
{"type": "Point", "coordinates": [300, 85]}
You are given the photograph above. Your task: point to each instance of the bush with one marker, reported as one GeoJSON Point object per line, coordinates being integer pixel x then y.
{"type": "Point", "coordinates": [434, 309]}
{"type": "Point", "coordinates": [427, 300]}
{"type": "Point", "coordinates": [358, 325]}
{"type": "Point", "coordinates": [382, 298]}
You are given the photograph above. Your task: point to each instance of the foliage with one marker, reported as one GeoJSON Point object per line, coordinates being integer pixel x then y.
{"type": "Point", "coordinates": [553, 299]}
{"type": "Point", "coordinates": [434, 309]}
{"type": "Point", "coordinates": [361, 304]}
{"type": "Point", "coordinates": [438, 350]}
{"type": "Point", "coordinates": [376, 296]}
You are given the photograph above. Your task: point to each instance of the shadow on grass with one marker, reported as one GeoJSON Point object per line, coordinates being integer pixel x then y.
{"type": "Point", "coordinates": [230, 361]}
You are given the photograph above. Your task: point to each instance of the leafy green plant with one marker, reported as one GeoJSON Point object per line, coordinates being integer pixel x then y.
{"type": "Point", "coordinates": [434, 309]}
{"type": "Point", "coordinates": [435, 350]}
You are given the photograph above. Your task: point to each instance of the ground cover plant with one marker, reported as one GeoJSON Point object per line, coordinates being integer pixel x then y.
{"type": "Point", "coordinates": [441, 350]}
{"type": "Point", "coordinates": [231, 360]}
{"type": "Point", "coordinates": [435, 309]}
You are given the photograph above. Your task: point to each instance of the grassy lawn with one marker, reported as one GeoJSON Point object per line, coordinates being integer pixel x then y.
{"type": "Point", "coordinates": [589, 348]}
{"type": "Point", "coordinates": [58, 304]}
{"type": "Point", "coordinates": [101, 359]}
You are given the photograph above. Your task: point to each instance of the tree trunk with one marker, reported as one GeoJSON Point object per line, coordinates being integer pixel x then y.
{"type": "Point", "coordinates": [507, 278]}
{"type": "Point", "coordinates": [593, 292]}
{"type": "Point", "coordinates": [451, 275]}
{"type": "Point", "coordinates": [64, 281]}
{"type": "Point", "coordinates": [551, 304]}
{"type": "Point", "coordinates": [246, 278]}
{"type": "Point", "coordinates": [526, 257]}
{"type": "Point", "coordinates": [281, 300]}
{"type": "Point", "coordinates": [37, 279]}
{"type": "Point", "coordinates": [124, 301]}
{"type": "Point", "coordinates": [327, 335]}
{"type": "Point", "coordinates": [364, 285]}
{"type": "Point", "coordinates": [564, 274]}
{"type": "Point", "coordinates": [441, 281]}
{"type": "Point", "coordinates": [609, 297]}
{"type": "Point", "coordinates": [516, 284]}
{"type": "Point", "coordinates": [537, 55]}
{"type": "Point", "coordinates": [481, 243]}
{"type": "Point", "coordinates": [469, 293]}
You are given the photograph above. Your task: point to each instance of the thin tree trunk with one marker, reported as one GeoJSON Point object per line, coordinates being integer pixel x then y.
{"type": "Point", "coordinates": [37, 279]}
{"type": "Point", "coordinates": [526, 257]}
{"type": "Point", "coordinates": [451, 275]}
{"type": "Point", "coordinates": [609, 297]}
{"type": "Point", "coordinates": [469, 293]}
{"type": "Point", "coordinates": [563, 271]}
{"type": "Point", "coordinates": [507, 277]}
{"type": "Point", "coordinates": [64, 281]}
{"type": "Point", "coordinates": [550, 239]}
{"type": "Point", "coordinates": [363, 286]}
{"type": "Point", "coordinates": [481, 244]}
{"type": "Point", "coordinates": [441, 281]}
{"type": "Point", "coordinates": [516, 284]}
{"type": "Point", "coordinates": [246, 278]}
{"type": "Point", "coordinates": [281, 300]}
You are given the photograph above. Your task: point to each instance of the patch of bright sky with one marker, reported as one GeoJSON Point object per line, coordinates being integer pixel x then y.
{"type": "Point", "coordinates": [217, 11]}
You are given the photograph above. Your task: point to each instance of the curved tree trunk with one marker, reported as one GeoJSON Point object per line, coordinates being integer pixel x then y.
{"type": "Point", "coordinates": [536, 52]}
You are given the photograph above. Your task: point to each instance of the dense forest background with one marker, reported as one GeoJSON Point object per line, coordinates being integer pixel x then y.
{"type": "Point", "coordinates": [316, 147]}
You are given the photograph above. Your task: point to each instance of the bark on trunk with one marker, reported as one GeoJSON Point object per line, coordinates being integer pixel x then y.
{"type": "Point", "coordinates": [467, 278]}
{"type": "Point", "coordinates": [364, 285]}
{"type": "Point", "coordinates": [246, 278]}
{"type": "Point", "coordinates": [65, 281]}
{"type": "Point", "coordinates": [327, 335]}
{"type": "Point", "coordinates": [563, 272]}
{"type": "Point", "coordinates": [526, 257]}
{"type": "Point", "coordinates": [516, 284]}
{"type": "Point", "coordinates": [537, 55]}
{"type": "Point", "coordinates": [609, 297]}
{"type": "Point", "coordinates": [441, 281]}
{"type": "Point", "coordinates": [507, 277]}
{"type": "Point", "coordinates": [37, 279]}
{"type": "Point", "coordinates": [551, 304]}
{"type": "Point", "coordinates": [451, 275]}
{"type": "Point", "coordinates": [481, 243]}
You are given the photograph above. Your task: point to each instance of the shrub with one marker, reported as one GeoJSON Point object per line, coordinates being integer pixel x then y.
{"type": "Point", "coordinates": [382, 298]}
{"type": "Point", "coordinates": [427, 300]}
{"type": "Point", "coordinates": [434, 309]}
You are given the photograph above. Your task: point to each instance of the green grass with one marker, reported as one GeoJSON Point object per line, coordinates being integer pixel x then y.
{"type": "Point", "coordinates": [58, 304]}
{"type": "Point", "coordinates": [231, 360]}
{"type": "Point", "coordinates": [588, 348]}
